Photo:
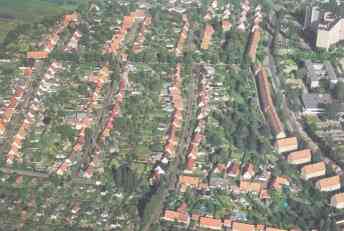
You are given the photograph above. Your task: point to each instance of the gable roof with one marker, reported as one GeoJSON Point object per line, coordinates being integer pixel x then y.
{"type": "Point", "coordinates": [237, 226]}
{"type": "Point", "coordinates": [312, 168]}
{"type": "Point", "coordinates": [210, 223]}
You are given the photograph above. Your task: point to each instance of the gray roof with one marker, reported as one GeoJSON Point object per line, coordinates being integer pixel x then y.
{"type": "Point", "coordinates": [314, 100]}
{"type": "Point", "coordinates": [317, 71]}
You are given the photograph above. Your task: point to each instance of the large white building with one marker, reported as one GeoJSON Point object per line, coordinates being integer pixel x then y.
{"type": "Point", "coordinates": [328, 27]}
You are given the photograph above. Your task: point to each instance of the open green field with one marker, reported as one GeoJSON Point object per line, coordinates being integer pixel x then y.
{"type": "Point", "coordinates": [13, 12]}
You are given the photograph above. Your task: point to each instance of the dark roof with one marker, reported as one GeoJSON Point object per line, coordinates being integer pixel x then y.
{"type": "Point", "coordinates": [317, 71]}
{"type": "Point", "coordinates": [314, 100]}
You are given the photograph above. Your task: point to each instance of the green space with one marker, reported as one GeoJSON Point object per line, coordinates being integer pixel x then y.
{"type": "Point", "coordinates": [14, 12]}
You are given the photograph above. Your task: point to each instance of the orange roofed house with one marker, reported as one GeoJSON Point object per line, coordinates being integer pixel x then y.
{"type": "Point", "coordinates": [328, 184]}
{"type": "Point", "coordinates": [274, 229]}
{"type": "Point", "coordinates": [337, 200]}
{"type": "Point", "coordinates": [300, 157]}
{"type": "Point", "coordinates": [254, 41]}
{"type": "Point", "coordinates": [237, 226]}
{"type": "Point", "coordinates": [250, 186]}
{"type": "Point", "coordinates": [190, 181]}
{"type": "Point", "coordinates": [286, 144]}
{"type": "Point", "coordinates": [210, 223]}
{"type": "Point", "coordinates": [267, 104]}
{"type": "Point", "coordinates": [208, 33]}
{"type": "Point", "coordinates": [174, 216]}
{"type": "Point", "coordinates": [37, 54]}
{"type": "Point", "coordinates": [313, 170]}
{"type": "Point", "coordinates": [279, 182]}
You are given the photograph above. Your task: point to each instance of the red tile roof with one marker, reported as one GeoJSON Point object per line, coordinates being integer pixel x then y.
{"type": "Point", "coordinates": [37, 55]}
{"type": "Point", "coordinates": [210, 223]}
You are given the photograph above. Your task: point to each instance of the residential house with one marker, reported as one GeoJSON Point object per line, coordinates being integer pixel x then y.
{"type": "Point", "coordinates": [337, 200]}
{"type": "Point", "coordinates": [279, 182]}
{"type": "Point", "coordinates": [175, 216]}
{"type": "Point", "coordinates": [248, 171]}
{"type": "Point", "coordinates": [286, 144]}
{"type": "Point", "coordinates": [317, 72]}
{"type": "Point", "coordinates": [237, 226]}
{"type": "Point", "coordinates": [328, 184]}
{"type": "Point", "coordinates": [300, 157]}
{"type": "Point", "coordinates": [267, 104]}
{"type": "Point", "coordinates": [227, 223]}
{"type": "Point", "coordinates": [37, 55]}
{"type": "Point", "coordinates": [274, 229]}
{"type": "Point", "coordinates": [313, 170]}
{"type": "Point", "coordinates": [250, 186]}
{"type": "Point", "coordinates": [314, 103]}
{"type": "Point", "coordinates": [189, 181]}
{"type": "Point", "coordinates": [207, 36]}
{"type": "Point", "coordinates": [233, 169]}
{"type": "Point", "coordinates": [210, 223]}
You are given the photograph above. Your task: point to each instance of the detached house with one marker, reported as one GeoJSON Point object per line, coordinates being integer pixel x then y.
{"type": "Point", "coordinates": [237, 226]}
{"type": "Point", "coordinates": [337, 200]}
{"type": "Point", "coordinates": [328, 184]}
{"type": "Point", "coordinates": [175, 216]}
{"type": "Point", "coordinates": [300, 157]}
{"type": "Point", "coordinates": [210, 223]}
{"type": "Point", "coordinates": [313, 170]}
{"type": "Point", "coordinates": [37, 55]}
{"type": "Point", "coordinates": [286, 144]}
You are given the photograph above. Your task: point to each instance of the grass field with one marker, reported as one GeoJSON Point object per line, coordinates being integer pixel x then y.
{"type": "Point", "coordinates": [13, 12]}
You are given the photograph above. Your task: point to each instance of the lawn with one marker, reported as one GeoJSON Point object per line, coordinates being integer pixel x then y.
{"type": "Point", "coordinates": [13, 12]}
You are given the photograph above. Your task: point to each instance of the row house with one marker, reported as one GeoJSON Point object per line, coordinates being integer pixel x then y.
{"type": "Point", "coordinates": [37, 54]}
{"type": "Point", "coordinates": [8, 111]}
{"type": "Point", "coordinates": [73, 42]}
{"type": "Point", "coordinates": [250, 187]}
{"type": "Point", "coordinates": [255, 35]}
{"type": "Point", "coordinates": [248, 171]}
{"type": "Point", "coordinates": [128, 21]}
{"type": "Point", "coordinates": [233, 168]}
{"type": "Point", "coordinates": [198, 135]}
{"type": "Point", "coordinates": [43, 88]}
{"type": "Point", "coordinates": [207, 36]}
{"type": "Point", "coordinates": [211, 11]}
{"type": "Point", "coordinates": [210, 223]}
{"type": "Point", "coordinates": [26, 71]}
{"type": "Point", "coordinates": [175, 216]}
{"type": "Point", "coordinates": [267, 103]}
{"type": "Point", "coordinates": [313, 170]}
{"type": "Point", "coordinates": [245, 9]}
{"type": "Point", "coordinates": [53, 39]}
{"type": "Point", "coordinates": [177, 116]}
{"type": "Point", "coordinates": [225, 22]}
{"type": "Point", "coordinates": [138, 44]}
{"type": "Point", "coordinates": [238, 226]}
{"type": "Point", "coordinates": [171, 142]}
{"type": "Point", "coordinates": [99, 80]}
{"type": "Point", "coordinates": [119, 98]}
{"type": "Point", "coordinates": [286, 144]}
{"type": "Point", "coordinates": [300, 157]}
{"type": "Point", "coordinates": [192, 182]}
{"type": "Point", "coordinates": [182, 37]}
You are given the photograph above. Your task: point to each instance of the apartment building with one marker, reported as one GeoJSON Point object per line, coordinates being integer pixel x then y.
{"type": "Point", "coordinates": [328, 26]}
